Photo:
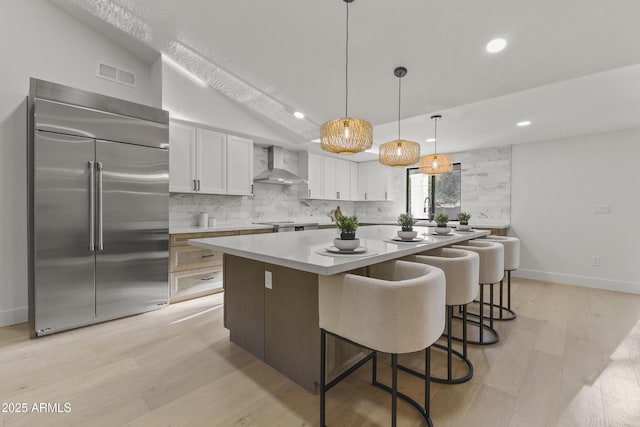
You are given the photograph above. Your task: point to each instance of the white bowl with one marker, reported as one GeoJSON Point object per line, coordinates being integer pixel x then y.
{"type": "Point", "coordinates": [464, 227]}
{"type": "Point", "coordinates": [407, 235]}
{"type": "Point", "coordinates": [442, 230]}
{"type": "Point", "coordinates": [346, 245]}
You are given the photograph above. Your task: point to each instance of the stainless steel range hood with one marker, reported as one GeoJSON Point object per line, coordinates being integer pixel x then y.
{"type": "Point", "coordinates": [275, 173]}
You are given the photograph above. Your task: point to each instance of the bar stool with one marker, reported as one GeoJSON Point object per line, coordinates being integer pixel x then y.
{"type": "Point", "coordinates": [399, 309]}
{"type": "Point", "coordinates": [511, 262]}
{"type": "Point", "coordinates": [461, 270]}
{"type": "Point", "coordinates": [491, 272]}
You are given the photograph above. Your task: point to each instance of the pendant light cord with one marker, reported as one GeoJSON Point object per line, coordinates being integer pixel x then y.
{"type": "Point", "coordinates": [399, 103]}
{"type": "Point", "coordinates": [435, 136]}
{"type": "Point", "coordinates": [346, 69]}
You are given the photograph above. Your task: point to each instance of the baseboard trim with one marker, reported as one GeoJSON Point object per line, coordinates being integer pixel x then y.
{"type": "Point", "coordinates": [12, 317]}
{"type": "Point", "coordinates": [584, 281]}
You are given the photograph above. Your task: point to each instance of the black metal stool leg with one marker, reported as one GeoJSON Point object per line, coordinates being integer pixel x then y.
{"type": "Point", "coordinates": [427, 383]}
{"type": "Point", "coordinates": [323, 379]}
{"type": "Point", "coordinates": [501, 304]}
{"type": "Point", "coordinates": [491, 306]}
{"type": "Point", "coordinates": [481, 320]}
{"type": "Point", "coordinates": [509, 289]}
{"type": "Point", "coordinates": [464, 331]}
{"type": "Point", "coordinates": [449, 354]}
{"type": "Point", "coordinates": [394, 388]}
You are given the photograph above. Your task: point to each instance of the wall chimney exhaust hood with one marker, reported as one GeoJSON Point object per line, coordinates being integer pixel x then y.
{"type": "Point", "coordinates": [275, 173]}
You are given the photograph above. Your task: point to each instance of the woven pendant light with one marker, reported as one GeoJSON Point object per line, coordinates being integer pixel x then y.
{"type": "Point", "coordinates": [400, 152]}
{"type": "Point", "coordinates": [435, 164]}
{"type": "Point", "coordinates": [346, 135]}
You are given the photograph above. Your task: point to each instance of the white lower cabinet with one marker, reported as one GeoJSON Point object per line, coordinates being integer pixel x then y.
{"type": "Point", "coordinates": [209, 162]}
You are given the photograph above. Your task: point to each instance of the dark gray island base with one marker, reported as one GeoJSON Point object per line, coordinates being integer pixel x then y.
{"type": "Point", "coordinates": [278, 322]}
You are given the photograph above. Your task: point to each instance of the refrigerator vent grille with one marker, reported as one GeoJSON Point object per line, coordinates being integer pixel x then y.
{"type": "Point", "coordinates": [118, 75]}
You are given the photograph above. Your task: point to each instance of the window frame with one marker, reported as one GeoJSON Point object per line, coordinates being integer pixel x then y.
{"type": "Point", "coordinates": [432, 193]}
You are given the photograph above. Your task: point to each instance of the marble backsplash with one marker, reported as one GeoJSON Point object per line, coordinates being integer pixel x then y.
{"type": "Point", "coordinates": [486, 194]}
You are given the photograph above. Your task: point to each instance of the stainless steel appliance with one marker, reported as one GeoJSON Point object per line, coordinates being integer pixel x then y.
{"type": "Point", "coordinates": [98, 208]}
{"type": "Point", "coordinates": [276, 172]}
{"type": "Point", "coordinates": [284, 226]}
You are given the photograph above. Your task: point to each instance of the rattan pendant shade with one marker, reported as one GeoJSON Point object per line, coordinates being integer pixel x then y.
{"type": "Point", "coordinates": [435, 164]}
{"type": "Point", "coordinates": [346, 135]}
{"type": "Point", "coordinates": [400, 152]}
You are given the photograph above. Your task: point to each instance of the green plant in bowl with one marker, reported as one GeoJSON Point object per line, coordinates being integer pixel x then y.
{"type": "Point", "coordinates": [464, 218]}
{"type": "Point", "coordinates": [406, 221]}
{"type": "Point", "coordinates": [347, 226]}
{"type": "Point", "coordinates": [442, 219]}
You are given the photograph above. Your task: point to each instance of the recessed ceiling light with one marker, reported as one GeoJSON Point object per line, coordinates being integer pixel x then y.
{"type": "Point", "coordinates": [524, 123]}
{"type": "Point", "coordinates": [316, 140]}
{"type": "Point", "coordinates": [496, 45]}
{"type": "Point", "coordinates": [430, 140]}
{"type": "Point", "coordinates": [298, 115]}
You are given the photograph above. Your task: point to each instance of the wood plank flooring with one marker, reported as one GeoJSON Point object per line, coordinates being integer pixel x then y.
{"type": "Point", "coordinates": [571, 358]}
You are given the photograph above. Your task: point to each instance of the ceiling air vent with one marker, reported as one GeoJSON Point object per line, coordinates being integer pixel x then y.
{"type": "Point", "coordinates": [109, 72]}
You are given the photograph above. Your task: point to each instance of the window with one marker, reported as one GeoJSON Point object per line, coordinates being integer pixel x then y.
{"type": "Point", "coordinates": [423, 189]}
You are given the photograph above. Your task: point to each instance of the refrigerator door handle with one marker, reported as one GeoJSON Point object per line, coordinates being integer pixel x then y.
{"type": "Point", "coordinates": [92, 207]}
{"type": "Point", "coordinates": [100, 210]}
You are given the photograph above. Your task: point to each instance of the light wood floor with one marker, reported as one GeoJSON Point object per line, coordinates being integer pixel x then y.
{"type": "Point", "coordinates": [572, 358]}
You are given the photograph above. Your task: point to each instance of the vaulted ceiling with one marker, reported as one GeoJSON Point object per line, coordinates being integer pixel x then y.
{"type": "Point", "coordinates": [569, 67]}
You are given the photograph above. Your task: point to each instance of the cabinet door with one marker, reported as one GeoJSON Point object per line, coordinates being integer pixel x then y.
{"type": "Point", "coordinates": [353, 166]}
{"type": "Point", "coordinates": [329, 189]}
{"type": "Point", "coordinates": [182, 158]}
{"type": "Point", "coordinates": [343, 179]}
{"type": "Point", "coordinates": [212, 162]}
{"type": "Point", "coordinates": [363, 181]}
{"type": "Point", "coordinates": [378, 182]}
{"type": "Point", "coordinates": [239, 165]}
{"type": "Point", "coordinates": [315, 176]}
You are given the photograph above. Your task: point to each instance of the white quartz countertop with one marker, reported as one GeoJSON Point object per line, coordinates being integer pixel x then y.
{"type": "Point", "coordinates": [213, 229]}
{"type": "Point", "coordinates": [306, 250]}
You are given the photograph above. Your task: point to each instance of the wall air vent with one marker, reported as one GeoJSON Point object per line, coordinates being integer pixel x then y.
{"type": "Point", "coordinates": [109, 72]}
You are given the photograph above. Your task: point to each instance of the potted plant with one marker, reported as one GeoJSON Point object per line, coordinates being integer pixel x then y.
{"type": "Point", "coordinates": [406, 221]}
{"type": "Point", "coordinates": [347, 226]}
{"type": "Point", "coordinates": [464, 220]}
{"type": "Point", "coordinates": [441, 221]}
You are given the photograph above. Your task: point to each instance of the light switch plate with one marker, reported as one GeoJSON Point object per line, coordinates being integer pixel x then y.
{"type": "Point", "coordinates": [267, 280]}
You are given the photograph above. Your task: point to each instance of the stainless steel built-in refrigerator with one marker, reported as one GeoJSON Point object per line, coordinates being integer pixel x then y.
{"type": "Point", "coordinates": [98, 208]}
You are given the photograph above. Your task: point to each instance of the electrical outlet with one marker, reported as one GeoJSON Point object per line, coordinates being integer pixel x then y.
{"type": "Point", "coordinates": [267, 280]}
{"type": "Point", "coordinates": [602, 210]}
{"type": "Point", "coordinates": [595, 261]}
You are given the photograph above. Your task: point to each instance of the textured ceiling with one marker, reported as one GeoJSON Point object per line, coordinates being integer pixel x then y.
{"type": "Point", "coordinates": [277, 56]}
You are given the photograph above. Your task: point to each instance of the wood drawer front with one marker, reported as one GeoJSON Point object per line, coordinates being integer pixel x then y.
{"type": "Point", "coordinates": [191, 257]}
{"type": "Point", "coordinates": [260, 231]}
{"type": "Point", "coordinates": [182, 239]}
{"type": "Point", "coordinates": [188, 284]}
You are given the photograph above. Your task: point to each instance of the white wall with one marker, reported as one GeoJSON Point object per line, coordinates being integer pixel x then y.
{"type": "Point", "coordinates": [38, 40]}
{"type": "Point", "coordinates": [189, 100]}
{"type": "Point", "coordinates": [555, 186]}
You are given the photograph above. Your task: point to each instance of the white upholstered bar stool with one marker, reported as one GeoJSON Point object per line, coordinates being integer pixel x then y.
{"type": "Point", "coordinates": [511, 262]}
{"type": "Point", "coordinates": [462, 274]}
{"type": "Point", "coordinates": [398, 309]}
{"type": "Point", "coordinates": [491, 272]}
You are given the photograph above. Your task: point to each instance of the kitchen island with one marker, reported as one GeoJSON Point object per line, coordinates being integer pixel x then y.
{"type": "Point", "coordinates": [271, 290]}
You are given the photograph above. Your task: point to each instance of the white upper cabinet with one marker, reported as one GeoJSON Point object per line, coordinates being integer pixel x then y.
{"type": "Point", "coordinates": [330, 191]}
{"type": "Point", "coordinates": [353, 190]}
{"type": "Point", "coordinates": [373, 181]}
{"type": "Point", "coordinates": [182, 158]}
{"type": "Point", "coordinates": [208, 162]}
{"type": "Point", "coordinates": [311, 167]}
{"type": "Point", "coordinates": [343, 179]}
{"type": "Point", "coordinates": [239, 165]}
{"type": "Point", "coordinates": [212, 164]}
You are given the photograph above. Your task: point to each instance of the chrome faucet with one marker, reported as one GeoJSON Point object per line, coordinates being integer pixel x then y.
{"type": "Point", "coordinates": [425, 207]}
